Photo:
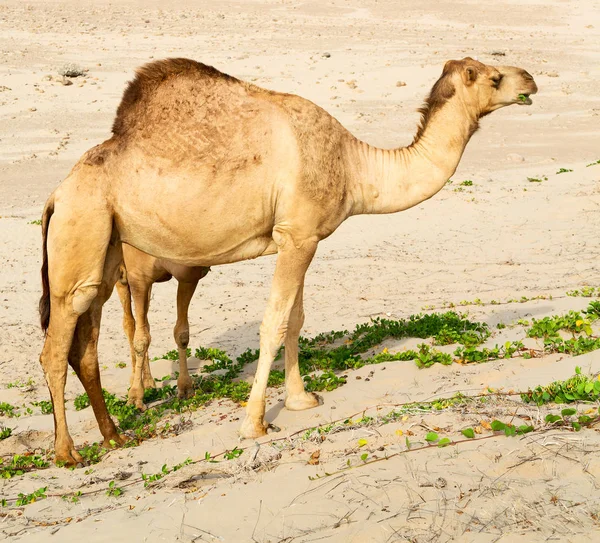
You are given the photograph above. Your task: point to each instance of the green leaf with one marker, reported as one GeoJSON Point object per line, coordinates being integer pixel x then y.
{"type": "Point", "coordinates": [576, 426]}
{"type": "Point", "coordinates": [552, 418]}
{"type": "Point", "coordinates": [510, 431]}
{"type": "Point", "coordinates": [364, 457]}
{"type": "Point", "coordinates": [468, 432]}
{"type": "Point", "coordinates": [431, 437]}
{"type": "Point", "coordinates": [408, 443]}
{"type": "Point", "coordinates": [444, 442]}
{"type": "Point", "coordinates": [568, 412]}
{"type": "Point", "coordinates": [498, 426]}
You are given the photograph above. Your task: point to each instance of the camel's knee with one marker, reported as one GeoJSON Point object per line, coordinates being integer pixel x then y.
{"type": "Point", "coordinates": [141, 342]}
{"type": "Point", "coordinates": [182, 336]}
{"type": "Point", "coordinates": [273, 336]}
{"type": "Point", "coordinates": [83, 298]}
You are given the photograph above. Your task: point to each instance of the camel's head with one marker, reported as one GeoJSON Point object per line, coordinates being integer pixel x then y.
{"type": "Point", "coordinates": [487, 88]}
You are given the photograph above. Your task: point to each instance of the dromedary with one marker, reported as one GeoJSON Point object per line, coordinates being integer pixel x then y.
{"type": "Point", "coordinates": [204, 169]}
{"type": "Point", "coordinates": [138, 273]}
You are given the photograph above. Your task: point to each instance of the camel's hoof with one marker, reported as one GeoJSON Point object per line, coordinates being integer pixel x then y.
{"type": "Point", "coordinates": [117, 440]}
{"type": "Point", "coordinates": [135, 398]}
{"type": "Point", "coordinates": [306, 400]}
{"type": "Point", "coordinates": [185, 389]}
{"type": "Point", "coordinates": [68, 459]}
{"type": "Point", "coordinates": [251, 428]}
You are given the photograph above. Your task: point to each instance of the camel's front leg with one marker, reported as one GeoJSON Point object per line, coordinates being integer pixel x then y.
{"type": "Point", "coordinates": [185, 292]}
{"type": "Point", "coordinates": [297, 398]}
{"type": "Point", "coordinates": [292, 263]}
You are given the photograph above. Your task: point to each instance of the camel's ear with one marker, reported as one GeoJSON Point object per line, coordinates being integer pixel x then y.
{"type": "Point", "coordinates": [470, 75]}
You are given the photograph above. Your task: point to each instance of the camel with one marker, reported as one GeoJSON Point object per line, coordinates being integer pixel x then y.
{"type": "Point", "coordinates": [138, 272]}
{"type": "Point", "coordinates": [204, 169]}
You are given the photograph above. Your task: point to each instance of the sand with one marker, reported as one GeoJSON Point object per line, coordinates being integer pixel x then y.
{"type": "Point", "coordinates": [370, 64]}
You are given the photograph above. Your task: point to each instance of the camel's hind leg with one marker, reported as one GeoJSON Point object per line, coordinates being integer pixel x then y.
{"type": "Point", "coordinates": [76, 237]}
{"type": "Point", "coordinates": [185, 292]}
{"type": "Point", "coordinates": [83, 356]}
{"type": "Point", "coordinates": [297, 398]}
{"type": "Point", "coordinates": [140, 293]}
{"type": "Point", "coordinates": [129, 327]}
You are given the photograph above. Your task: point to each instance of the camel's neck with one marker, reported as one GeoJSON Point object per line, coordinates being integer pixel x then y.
{"type": "Point", "coordinates": [387, 181]}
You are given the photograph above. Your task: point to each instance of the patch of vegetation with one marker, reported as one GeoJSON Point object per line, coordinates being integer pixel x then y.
{"type": "Point", "coordinates": [593, 163]}
{"type": "Point", "coordinates": [72, 70]}
{"type": "Point", "coordinates": [20, 464]}
{"type": "Point", "coordinates": [120, 365]}
{"type": "Point", "coordinates": [93, 453]}
{"type": "Point", "coordinates": [537, 179]}
{"type": "Point", "coordinates": [579, 388]}
{"type": "Point", "coordinates": [26, 499]}
{"type": "Point", "coordinates": [585, 292]}
{"type": "Point", "coordinates": [19, 383]}
{"type": "Point", "coordinates": [113, 490]}
{"type": "Point", "coordinates": [5, 432]}
{"type": "Point", "coordinates": [45, 406]}
{"type": "Point", "coordinates": [563, 170]}
{"type": "Point", "coordinates": [566, 419]}
{"type": "Point", "coordinates": [467, 183]}
{"type": "Point", "coordinates": [37, 222]}
{"type": "Point", "coordinates": [165, 470]}
{"type": "Point", "coordinates": [8, 410]}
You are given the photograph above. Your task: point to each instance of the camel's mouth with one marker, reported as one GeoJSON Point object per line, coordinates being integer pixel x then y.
{"type": "Point", "coordinates": [524, 99]}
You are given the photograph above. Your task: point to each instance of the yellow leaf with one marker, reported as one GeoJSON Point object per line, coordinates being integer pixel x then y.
{"type": "Point", "coordinates": [592, 410]}
{"type": "Point", "coordinates": [362, 442]}
{"type": "Point", "coordinates": [243, 404]}
{"type": "Point", "coordinates": [579, 322]}
{"type": "Point", "coordinates": [486, 424]}
{"type": "Point", "coordinates": [399, 433]}
{"type": "Point", "coordinates": [385, 351]}
{"type": "Point", "coordinates": [478, 429]}
{"type": "Point", "coordinates": [404, 418]}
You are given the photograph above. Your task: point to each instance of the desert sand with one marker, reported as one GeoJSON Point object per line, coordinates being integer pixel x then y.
{"type": "Point", "coordinates": [370, 64]}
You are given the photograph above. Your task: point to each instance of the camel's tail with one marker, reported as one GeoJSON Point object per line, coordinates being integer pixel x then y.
{"type": "Point", "coordinates": [45, 299]}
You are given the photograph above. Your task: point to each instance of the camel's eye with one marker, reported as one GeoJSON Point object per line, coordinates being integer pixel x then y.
{"type": "Point", "coordinates": [496, 81]}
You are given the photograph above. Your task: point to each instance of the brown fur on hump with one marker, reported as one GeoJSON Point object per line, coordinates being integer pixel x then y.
{"type": "Point", "coordinates": [442, 90]}
{"type": "Point", "coordinates": [146, 81]}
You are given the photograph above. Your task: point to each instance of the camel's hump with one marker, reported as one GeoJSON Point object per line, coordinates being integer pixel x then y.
{"type": "Point", "coordinates": [149, 76]}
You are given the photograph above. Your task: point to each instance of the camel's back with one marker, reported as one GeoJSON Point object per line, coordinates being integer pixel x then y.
{"type": "Point", "coordinates": [187, 112]}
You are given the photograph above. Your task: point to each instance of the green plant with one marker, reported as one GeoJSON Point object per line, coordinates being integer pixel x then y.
{"type": "Point", "coordinates": [510, 429]}
{"type": "Point", "coordinates": [593, 163]}
{"type": "Point", "coordinates": [45, 406]}
{"type": "Point", "coordinates": [73, 498]}
{"type": "Point", "coordinates": [579, 387]}
{"type": "Point", "coordinates": [8, 410]}
{"type": "Point", "coordinates": [564, 419]}
{"type": "Point", "coordinates": [585, 292]}
{"type": "Point", "coordinates": [113, 490]}
{"type": "Point", "coordinates": [93, 453]}
{"type": "Point", "coordinates": [233, 453]}
{"type": "Point", "coordinates": [37, 222]}
{"type": "Point", "coordinates": [20, 464]}
{"type": "Point", "coordinates": [5, 432]}
{"type": "Point", "coordinates": [537, 179]}
{"type": "Point", "coordinates": [21, 384]}
{"type": "Point", "coordinates": [121, 365]}
{"type": "Point", "coordinates": [26, 499]}
{"type": "Point", "coordinates": [563, 170]}
{"type": "Point", "coordinates": [467, 183]}
{"type": "Point", "coordinates": [165, 470]}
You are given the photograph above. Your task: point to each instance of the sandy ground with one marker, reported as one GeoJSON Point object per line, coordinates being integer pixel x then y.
{"type": "Point", "coordinates": [501, 238]}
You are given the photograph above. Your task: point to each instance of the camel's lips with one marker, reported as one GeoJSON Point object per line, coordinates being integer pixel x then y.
{"type": "Point", "coordinates": [524, 99]}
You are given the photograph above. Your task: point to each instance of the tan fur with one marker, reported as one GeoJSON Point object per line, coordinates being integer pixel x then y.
{"type": "Point", "coordinates": [204, 169]}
